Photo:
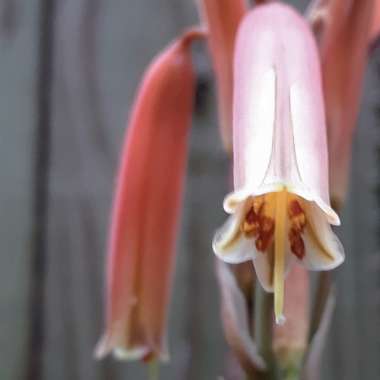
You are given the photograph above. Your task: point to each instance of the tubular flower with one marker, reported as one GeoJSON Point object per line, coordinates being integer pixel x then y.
{"type": "Point", "coordinates": [344, 31]}
{"type": "Point", "coordinates": [280, 208]}
{"type": "Point", "coordinates": [222, 18]}
{"type": "Point", "coordinates": [375, 27]}
{"type": "Point", "coordinates": [146, 207]}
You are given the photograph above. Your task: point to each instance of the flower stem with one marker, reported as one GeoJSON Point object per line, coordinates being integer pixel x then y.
{"type": "Point", "coordinates": [262, 328]}
{"type": "Point", "coordinates": [291, 374]}
{"type": "Point", "coordinates": [153, 370]}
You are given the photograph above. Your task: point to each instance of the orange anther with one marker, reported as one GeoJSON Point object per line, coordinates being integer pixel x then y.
{"type": "Point", "coordinates": [297, 244]}
{"type": "Point", "coordinates": [294, 209]}
{"type": "Point", "coordinates": [298, 222]}
{"type": "Point", "coordinates": [296, 215]}
{"type": "Point", "coordinates": [250, 226]}
{"type": "Point", "coordinates": [258, 205]}
{"type": "Point", "coordinates": [267, 224]}
{"type": "Point", "coordinates": [251, 216]}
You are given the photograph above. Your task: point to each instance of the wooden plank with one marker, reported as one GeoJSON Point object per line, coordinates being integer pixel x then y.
{"type": "Point", "coordinates": [18, 52]}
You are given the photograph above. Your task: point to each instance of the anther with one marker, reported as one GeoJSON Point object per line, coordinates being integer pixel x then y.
{"type": "Point", "coordinates": [294, 209]}
{"type": "Point", "coordinates": [297, 216]}
{"type": "Point", "coordinates": [258, 205]}
{"type": "Point", "coordinates": [297, 244]}
{"type": "Point", "coordinates": [250, 227]}
{"type": "Point", "coordinates": [267, 224]}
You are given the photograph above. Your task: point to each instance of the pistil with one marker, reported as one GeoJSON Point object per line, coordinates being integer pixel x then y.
{"type": "Point", "coordinates": [279, 254]}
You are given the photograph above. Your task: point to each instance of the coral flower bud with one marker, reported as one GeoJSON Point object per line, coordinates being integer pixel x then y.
{"type": "Point", "coordinates": [344, 37]}
{"type": "Point", "coordinates": [146, 207]}
{"type": "Point", "coordinates": [375, 26]}
{"type": "Point", "coordinates": [280, 204]}
{"type": "Point", "coordinates": [222, 18]}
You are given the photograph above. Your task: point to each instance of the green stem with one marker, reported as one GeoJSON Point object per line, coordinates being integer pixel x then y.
{"type": "Point", "coordinates": [153, 370]}
{"type": "Point", "coordinates": [263, 320]}
{"type": "Point", "coordinates": [262, 328]}
{"type": "Point", "coordinates": [291, 374]}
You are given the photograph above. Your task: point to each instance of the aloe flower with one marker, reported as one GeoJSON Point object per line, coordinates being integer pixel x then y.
{"type": "Point", "coordinates": [222, 19]}
{"type": "Point", "coordinates": [344, 30]}
{"type": "Point", "coordinates": [280, 208]}
{"type": "Point", "coordinates": [146, 207]}
{"type": "Point", "coordinates": [375, 26]}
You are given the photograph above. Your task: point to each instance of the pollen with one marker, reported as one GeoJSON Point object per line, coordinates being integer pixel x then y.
{"type": "Point", "coordinates": [297, 244]}
{"type": "Point", "coordinates": [251, 226]}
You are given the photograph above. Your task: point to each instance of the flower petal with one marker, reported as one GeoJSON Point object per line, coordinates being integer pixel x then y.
{"type": "Point", "coordinates": [229, 244]}
{"type": "Point", "coordinates": [307, 113]}
{"type": "Point", "coordinates": [263, 264]}
{"type": "Point", "coordinates": [235, 320]}
{"type": "Point", "coordinates": [375, 29]}
{"type": "Point", "coordinates": [254, 109]}
{"type": "Point", "coordinates": [222, 18]}
{"type": "Point", "coordinates": [323, 249]}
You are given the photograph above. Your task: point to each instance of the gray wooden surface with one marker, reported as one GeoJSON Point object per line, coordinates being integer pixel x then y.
{"type": "Point", "coordinates": [18, 60]}
{"type": "Point", "coordinates": [100, 51]}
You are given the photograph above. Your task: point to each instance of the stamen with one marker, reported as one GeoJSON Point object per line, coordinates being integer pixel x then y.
{"type": "Point", "coordinates": [296, 215]}
{"type": "Point", "coordinates": [297, 224]}
{"type": "Point", "coordinates": [297, 244]}
{"type": "Point", "coordinates": [258, 204]}
{"type": "Point", "coordinates": [250, 227]}
{"type": "Point", "coordinates": [279, 255]}
{"type": "Point", "coordinates": [265, 235]}
{"type": "Point", "coordinates": [258, 225]}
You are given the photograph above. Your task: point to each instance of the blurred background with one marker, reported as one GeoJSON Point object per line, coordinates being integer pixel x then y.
{"type": "Point", "coordinates": [68, 74]}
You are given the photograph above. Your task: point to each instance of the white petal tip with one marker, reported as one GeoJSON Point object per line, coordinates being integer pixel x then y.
{"type": "Point", "coordinates": [102, 349]}
{"type": "Point", "coordinates": [280, 320]}
{"type": "Point", "coordinates": [137, 353]}
{"type": "Point", "coordinates": [229, 244]}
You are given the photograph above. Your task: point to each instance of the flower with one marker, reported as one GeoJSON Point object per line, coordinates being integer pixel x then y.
{"type": "Point", "coordinates": [222, 18]}
{"type": "Point", "coordinates": [146, 207]}
{"type": "Point", "coordinates": [375, 26]}
{"type": "Point", "coordinates": [344, 31]}
{"type": "Point", "coordinates": [280, 208]}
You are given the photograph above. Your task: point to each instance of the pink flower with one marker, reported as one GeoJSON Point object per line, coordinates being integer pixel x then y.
{"type": "Point", "coordinates": [280, 208]}
{"type": "Point", "coordinates": [146, 207]}
{"type": "Point", "coordinates": [344, 30]}
{"type": "Point", "coordinates": [222, 18]}
{"type": "Point", "coordinates": [375, 26]}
